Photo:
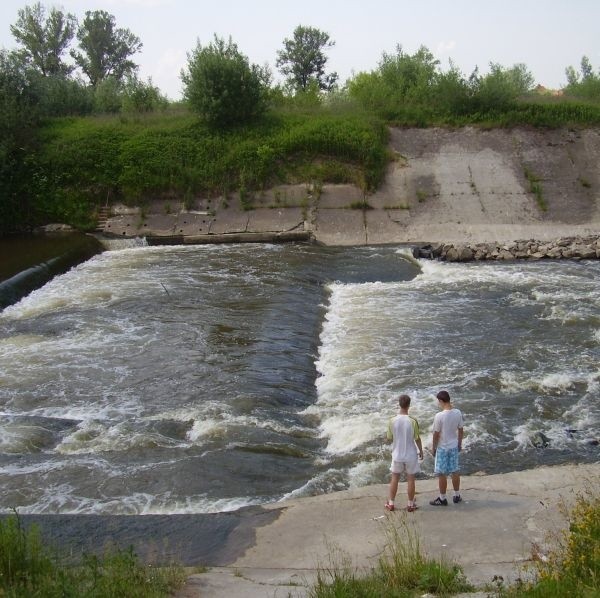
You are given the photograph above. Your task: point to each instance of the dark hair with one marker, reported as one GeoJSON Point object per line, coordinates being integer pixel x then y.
{"type": "Point", "coordinates": [443, 396]}
{"type": "Point", "coordinates": [404, 401]}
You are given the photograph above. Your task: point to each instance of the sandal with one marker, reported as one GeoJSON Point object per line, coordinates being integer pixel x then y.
{"type": "Point", "coordinates": [389, 506]}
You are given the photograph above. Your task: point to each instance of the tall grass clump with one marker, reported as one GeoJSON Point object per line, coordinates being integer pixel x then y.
{"type": "Point", "coordinates": [29, 568]}
{"type": "Point", "coordinates": [403, 570]}
{"type": "Point", "coordinates": [572, 567]}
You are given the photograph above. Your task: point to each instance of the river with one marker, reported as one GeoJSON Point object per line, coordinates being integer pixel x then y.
{"type": "Point", "coordinates": [198, 379]}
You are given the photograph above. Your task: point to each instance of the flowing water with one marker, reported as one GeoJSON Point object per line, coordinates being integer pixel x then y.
{"type": "Point", "coordinates": [200, 379]}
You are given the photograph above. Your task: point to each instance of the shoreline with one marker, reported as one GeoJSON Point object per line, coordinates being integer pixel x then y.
{"type": "Point", "coordinates": [259, 551]}
{"type": "Point", "coordinates": [501, 519]}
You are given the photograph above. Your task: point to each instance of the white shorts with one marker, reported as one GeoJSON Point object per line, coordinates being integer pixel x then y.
{"type": "Point", "coordinates": [411, 466]}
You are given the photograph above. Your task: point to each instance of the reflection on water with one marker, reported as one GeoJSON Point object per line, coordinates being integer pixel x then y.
{"type": "Point", "coordinates": [197, 379]}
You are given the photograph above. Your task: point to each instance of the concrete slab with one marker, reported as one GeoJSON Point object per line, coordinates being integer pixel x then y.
{"type": "Point", "coordinates": [276, 219]}
{"type": "Point", "coordinates": [189, 223]}
{"type": "Point", "coordinates": [339, 196]}
{"type": "Point", "coordinates": [286, 196]}
{"type": "Point", "coordinates": [489, 534]}
{"type": "Point", "coordinates": [381, 229]}
{"type": "Point", "coordinates": [122, 225]}
{"type": "Point", "coordinates": [159, 224]}
{"type": "Point", "coordinates": [229, 220]}
{"type": "Point", "coordinates": [340, 227]}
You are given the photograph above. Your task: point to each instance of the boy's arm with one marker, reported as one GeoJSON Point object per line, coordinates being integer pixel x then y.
{"type": "Point", "coordinates": [460, 438]}
{"type": "Point", "coordinates": [420, 447]}
{"type": "Point", "coordinates": [436, 439]}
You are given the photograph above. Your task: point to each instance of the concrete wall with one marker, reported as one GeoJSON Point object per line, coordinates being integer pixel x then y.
{"type": "Point", "coordinates": [465, 185]}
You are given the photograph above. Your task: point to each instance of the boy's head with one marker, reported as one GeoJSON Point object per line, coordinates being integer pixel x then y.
{"type": "Point", "coordinates": [443, 396]}
{"type": "Point", "coordinates": [404, 401]}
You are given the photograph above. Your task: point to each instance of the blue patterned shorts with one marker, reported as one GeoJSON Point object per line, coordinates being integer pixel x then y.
{"type": "Point", "coordinates": [446, 461]}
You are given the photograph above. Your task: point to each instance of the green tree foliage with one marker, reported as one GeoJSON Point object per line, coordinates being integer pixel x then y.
{"type": "Point", "coordinates": [409, 78]}
{"type": "Point", "coordinates": [105, 49]}
{"type": "Point", "coordinates": [303, 59]}
{"type": "Point", "coordinates": [501, 87]}
{"type": "Point", "coordinates": [140, 97]}
{"type": "Point", "coordinates": [44, 40]}
{"type": "Point", "coordinates": [413, 88]}
{"type": "Point", "coordinates": [18, 121]}
{"type": "Point", "coordinates": [585, 83]}
{"type": "Point", "coordinates": [222, 86]}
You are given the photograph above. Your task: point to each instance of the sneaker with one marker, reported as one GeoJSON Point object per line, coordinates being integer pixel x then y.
{"type": "Point", "coordinates": [456, 499]}
{"type": "Point", "coordinates": [411, 508]}
{"type": "Point", "coordinates": [389, 506]}
{"type": "Point", "coordinates": [438, 502]}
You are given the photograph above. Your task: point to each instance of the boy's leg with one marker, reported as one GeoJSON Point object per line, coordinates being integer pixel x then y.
{"type": "Point", "coordinates": [410, 487]}
{"type": "Point", "coordinates": [442, 483]}
{"type": "Point", "coordinates": [456, 481]}
{"type": "Point", "coordinates": [394, 486]}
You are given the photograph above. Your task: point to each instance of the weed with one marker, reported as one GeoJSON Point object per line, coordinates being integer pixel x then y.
{"type": "Point", "coordinates": [535, 187]}
{"type": "Point", "coordinates": [572, 565]}
{"type": "Point", "coordinates": [421, 195]}
{"type": "Point", "coordinates": [360, 205]}
{"type": "Point", "coordinates": [402, 570]}
{"type": "Point", "coordinates": [584, 183]}
{"type": "Point", "coordinates": [28, 568]}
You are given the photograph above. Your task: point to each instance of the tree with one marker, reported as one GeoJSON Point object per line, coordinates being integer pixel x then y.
{"type": "Point", "coordinates": [105, 48]}
{"type": "Point", "coordinates": [222, 86]}
{"type": "Point", "coordinates": [303, 59]}
{"type": "Point", "coordinates": [44, 40]}
{"type": "Point", "coordinates": [18, 128]}
{"type": "Point", "coordinates": [585, 84]}
{"type": "Point", "coordinates": [411, 78]}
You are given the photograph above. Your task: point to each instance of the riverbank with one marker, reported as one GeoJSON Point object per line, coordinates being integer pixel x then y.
{"type": "Point", "coordinates": [503, 521]}
{"type": "Point", "coordinates": [444, 186]}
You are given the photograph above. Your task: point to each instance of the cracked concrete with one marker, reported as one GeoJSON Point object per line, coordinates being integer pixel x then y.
{"type": "Point", "coordinates": [491, 533]}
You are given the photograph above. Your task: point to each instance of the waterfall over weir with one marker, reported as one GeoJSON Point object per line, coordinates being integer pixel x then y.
{"type": "Point", "coordinates": [196, 379]}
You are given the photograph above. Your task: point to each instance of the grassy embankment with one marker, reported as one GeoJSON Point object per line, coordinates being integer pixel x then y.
{"type": "Point", "coordinates": [86, 162]}
{"type": "Point", "coordinates": [30, 568]}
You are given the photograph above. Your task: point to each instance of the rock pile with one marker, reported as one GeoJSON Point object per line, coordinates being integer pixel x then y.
{"type": "Point", "coordinates": [574, 248]}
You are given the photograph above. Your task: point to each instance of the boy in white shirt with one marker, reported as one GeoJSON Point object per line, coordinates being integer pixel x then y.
{"type": "Point", "coordinates": [447, 443]}
{"type": "Point", "coordinates": [403, 431]}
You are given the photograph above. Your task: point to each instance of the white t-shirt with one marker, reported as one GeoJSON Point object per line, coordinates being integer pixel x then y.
{"type": "Point", "coordinates": [403, 430]}
{"type": "Point", "coordinates": [447, 423]}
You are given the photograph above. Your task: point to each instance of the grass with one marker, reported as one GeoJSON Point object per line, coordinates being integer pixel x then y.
{"type": "Point", "coordinates": [421, 195]}
{"type": "Point", "coordinates": [28, 568]}
{"type": "Point", "coordinates": [403, 570]}
{"type": "Point", "coordinates": [82, 161]}
{"type": "Point", "coordinates": [572, 566]}
{"type": "Point", "coordinates": [535, 187]}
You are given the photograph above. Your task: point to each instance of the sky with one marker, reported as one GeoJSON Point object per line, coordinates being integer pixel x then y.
{"type": "Point", "coordinates": [545, 35]}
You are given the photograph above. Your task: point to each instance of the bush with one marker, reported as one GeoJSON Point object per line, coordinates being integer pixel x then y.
{"type": "Point", "coordinates": [222, 86]}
